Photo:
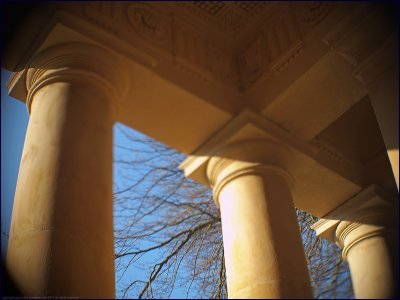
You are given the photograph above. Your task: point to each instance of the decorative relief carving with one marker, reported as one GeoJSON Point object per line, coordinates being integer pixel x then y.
{"type": "Point", "coordinates": [221, 65]}
{"type": "Point", "coordinates": [107, 8]}
{"type": "Point", "coordinates": [189, 45]}
{"type": "Point", "coordinates": [276, 46]}
{"type": "Point", "coordinates": [193, 50]}
{"type": "Point", "coordinates": [248, 6]}
{"type": "Point", "coordinates": [284, 42]}
{"type": "Point", "coordinates": [101, 16]}
{"type": "Point", "coordinates": [311, 12]}
{"type": "Point", "coordinates": [230, 17]}
{"type": "Point", "coordinates": [232, 20]}
{"type": "Point", "coordinates": [325, 148]}
{"type": "Point", "coordinates": [254, 61]}
{"type": "Point", "coordinates": [149, 23]}
{"type": "Point", "coordinates": [191, 72]}
{"type": "Point", "coordinates": [274, 49]}
{"type": "Point", "coordinates": [291, 54]}
{"type": "Point", "coordinates": [211, 7]}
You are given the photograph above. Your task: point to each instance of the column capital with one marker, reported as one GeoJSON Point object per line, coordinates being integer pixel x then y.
{"type": "Point", "coordinates": [367, 214]}
{"type": "Point", "coordinates": [248, 157]}
{"type": "Point", "coordinates": [77, 62]}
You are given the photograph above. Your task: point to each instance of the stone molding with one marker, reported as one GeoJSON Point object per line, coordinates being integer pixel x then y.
{"type": "Point", "coordinates": [149, 23]}
{"type": "Point", "coordinates": [383, 58]}
{"type": "Point", "coordinates": [279, 41]}
{"type": "Point", "coordinates": [229, 17]}
{"type": "Point", "coordinates": [270, 51]}
{"type": "Point", "coordinates": [349, 233]}
{"type": "Point", "coordinates": [310, 13]}
{"type": "Point", "coordinates": [248, 157]}
{"type": "Point", "coordinates": [365, 39]}
{"type": "Point", "coordinates": [305, 164]}
{"type": "Point", "coordinates": [256, 127]}
{"type": "Point", "coordinates": [367, 214]}
{"type": "Point", "coordinates": [77, 62]}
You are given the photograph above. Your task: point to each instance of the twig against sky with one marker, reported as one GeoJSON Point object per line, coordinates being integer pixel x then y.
{"type": "Point", "coordinates": [168, 236]}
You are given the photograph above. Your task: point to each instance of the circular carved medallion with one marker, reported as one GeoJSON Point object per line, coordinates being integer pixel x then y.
{"type": "Point", "coordinates": [148, 23]}
{"type": "Point", "coordinates": [311, 12]}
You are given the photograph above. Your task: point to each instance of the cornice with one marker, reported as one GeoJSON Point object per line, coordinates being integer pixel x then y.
{"type": "Point", "coordinates": [386, 56]}
{"type": "Point", "coordinates": [249, 126]}
{"type": "Point", "coordinates": [246, 125]}
{"type": "Point", "coordinates": [367, 39]}
{"type": "Point", "coordinates": [372, 205]}
{"type": "Point", "coordinates": [163, 28]}
{"type": "Point", "coordinates": [278, 41]}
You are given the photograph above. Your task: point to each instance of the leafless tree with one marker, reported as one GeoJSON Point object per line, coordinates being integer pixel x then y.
{"type": "Point", "coordinates": [168, 237]}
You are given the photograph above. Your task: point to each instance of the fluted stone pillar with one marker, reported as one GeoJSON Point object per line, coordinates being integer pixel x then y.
{"type": "Point", "coordinates": [364, 227]}
{"type": "Point", "coordinates": [264, 255]}
{"type": "Point", "coordinates": [61, 237]}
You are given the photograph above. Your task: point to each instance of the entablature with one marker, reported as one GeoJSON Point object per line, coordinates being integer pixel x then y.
{"type": "Point", "coordinates": [195, 66]}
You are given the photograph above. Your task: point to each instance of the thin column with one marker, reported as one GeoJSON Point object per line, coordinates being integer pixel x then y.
{"type": "Point", "coordinates": [61, 237]}
{"type": "Point", "coordinates": [364, 227]}
{"type": "Point", "coordinates": [264, 255]}
{"type": "Point", "coordinates": [380, 74]}
{"type": "Point", "coordinates": [384, 95]}
{"type": "Point", "coordinates": [371, 257]}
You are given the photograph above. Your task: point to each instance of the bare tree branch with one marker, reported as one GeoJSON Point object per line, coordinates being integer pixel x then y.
{"type": "Point", "coordinates": [167, 227]}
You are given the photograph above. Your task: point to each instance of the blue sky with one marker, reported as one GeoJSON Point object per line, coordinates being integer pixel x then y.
{"type": "Point", "coordinates": [14, 120]}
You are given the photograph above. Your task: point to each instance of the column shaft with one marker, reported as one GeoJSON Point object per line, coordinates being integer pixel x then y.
{"type": "Point", "coordinates": [369, 246]}
{"type": "Point", "coordinates": [381, 282]}
{"type": "Point", "coordinates": [365, 228]}
{"type": "Point", "coordinates": [61, 238]}
{"type": "Point", "coordinates": [384, 95]}
{"type": "Point", "coordinates": [263, 250]}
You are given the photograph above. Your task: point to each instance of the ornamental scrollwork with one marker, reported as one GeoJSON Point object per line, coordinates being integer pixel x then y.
{"type": "Point", "coordinates": [148, 23]}
{"type": "Point", "coordinates": [221, 65]}
{"type": "Point", "coordinates": [254, 61]}
{"type": "Point", "coordinates": [311, 12]}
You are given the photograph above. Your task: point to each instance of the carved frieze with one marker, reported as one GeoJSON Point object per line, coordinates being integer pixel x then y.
{"type": "Point", "coordinates": [96, 13]}
{"type": "Point", "coordinates": [229, 17]}
{"type": "Point", "coordinates": [274, 49]}
{"type": "Point", "coordinates": [188, 44]}
{"type": "Point", "coordinates": [254, 60]}
{"type": "Point", "coordinates": [284, 41]}
{"type": "Point", "coordinates": [311, 12]}
{"type": "Point", "coordinates": [149, 23]}
{"type": "Point", "coordinates": [278, 43]}
{"type": "Point", "coordinates": [325, 148]}
{"type": "Point", "coordinates": [221, 64]}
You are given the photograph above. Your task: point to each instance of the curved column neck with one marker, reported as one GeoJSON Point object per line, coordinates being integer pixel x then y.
{"type": "Point", "coordinates": [78, 63]}
{"type": "Point", "coordinates": [252, 187]}
{"type": "Point", "coordinates": [363, 224]}
{"type": "Point", "coordinates": [365, 228]}
{"type": "Point", "coordinates": [248, 157]}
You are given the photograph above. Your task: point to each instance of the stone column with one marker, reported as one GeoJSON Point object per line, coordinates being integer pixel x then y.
{"type": "Point", "coordinates": [364, 227]}
{"type": "Point", "coordinates": [61, 238]}
{"type": "Point", "coordinates": [384, 95]}
{"type": "Point", "coordinates": [264, 255]}
{"type": "Point", "coordinates": [380, 74]}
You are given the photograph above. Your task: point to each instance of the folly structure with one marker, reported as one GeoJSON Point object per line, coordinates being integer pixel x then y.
{"type": "Point", "coordinates": [277, 104]}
